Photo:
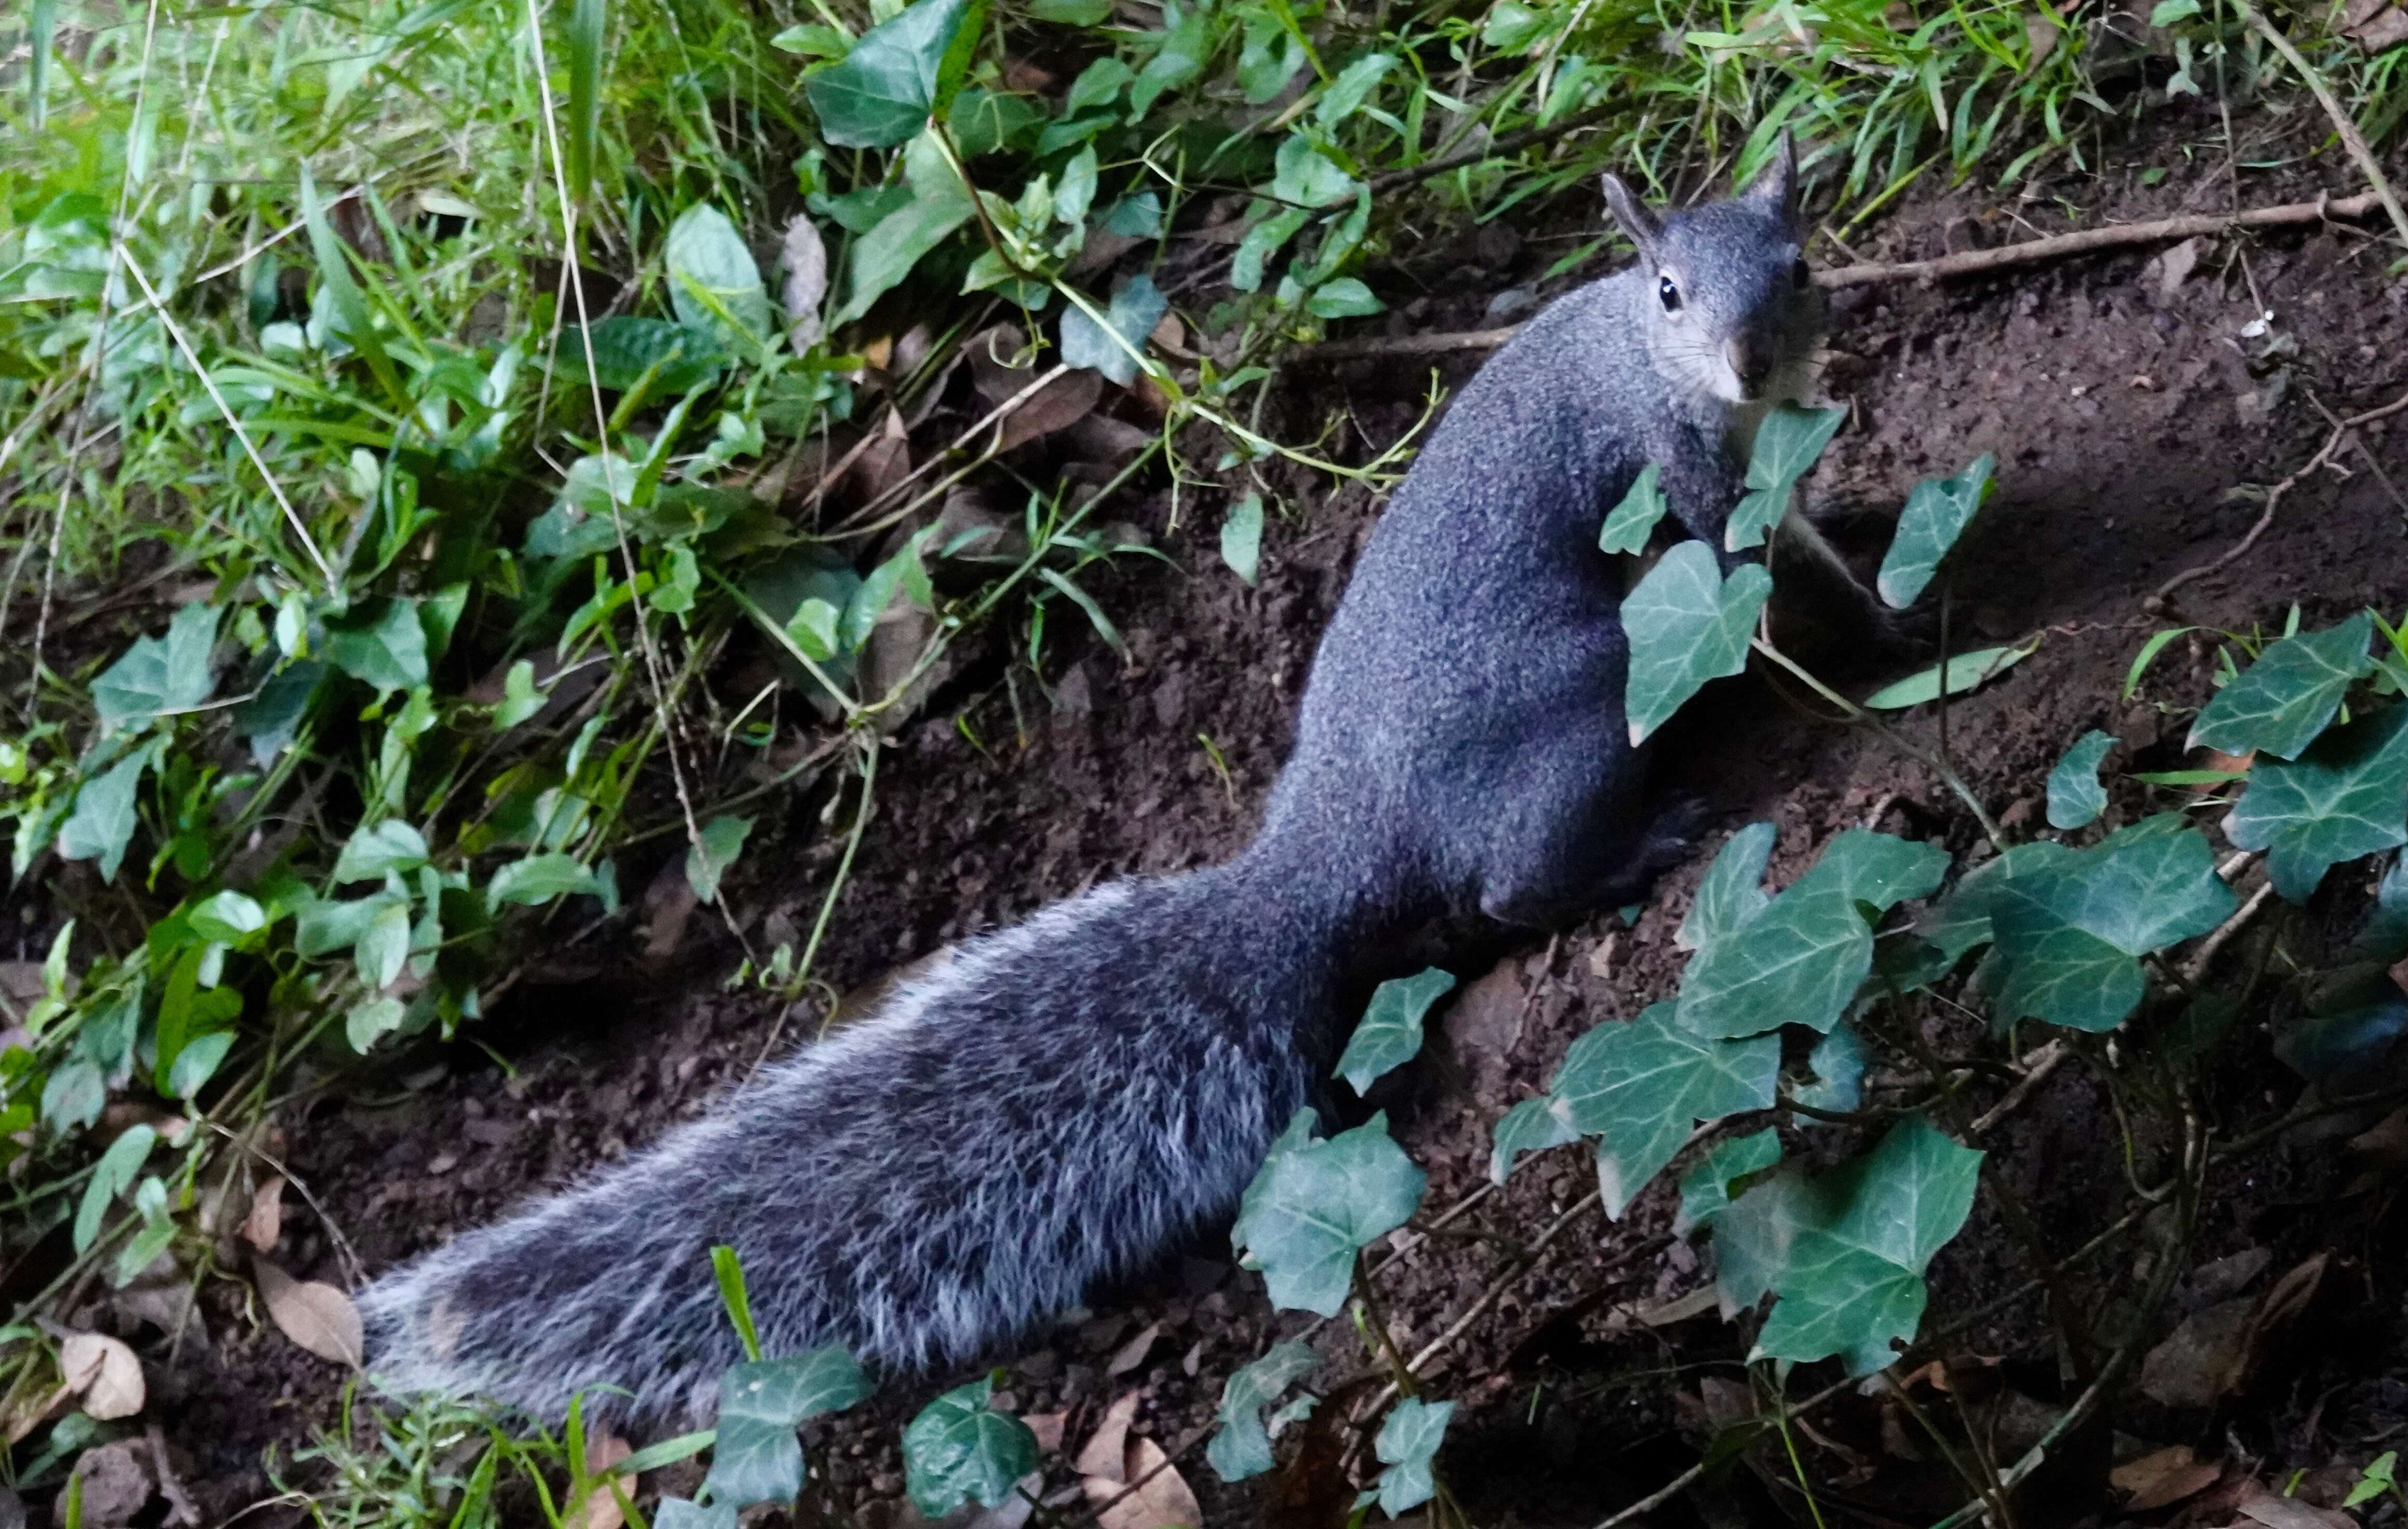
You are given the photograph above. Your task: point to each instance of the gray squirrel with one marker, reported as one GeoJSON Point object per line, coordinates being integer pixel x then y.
{"type": "Point", "coordinates": [1064, 1100]}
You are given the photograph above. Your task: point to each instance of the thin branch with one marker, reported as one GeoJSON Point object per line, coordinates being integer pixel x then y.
{"type": "Point", "coordinates": [2351, 138]}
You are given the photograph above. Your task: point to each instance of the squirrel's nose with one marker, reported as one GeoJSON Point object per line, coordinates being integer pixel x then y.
{"type": "Point", "coordinates": [1751, 362]}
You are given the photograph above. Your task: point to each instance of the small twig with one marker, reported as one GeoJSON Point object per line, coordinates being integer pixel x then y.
{"type": "Point", "coordinates": [2156, 604]}
{"type": "Point", "coordinates": [180, 1504]}
{"type": "Point", "coordinates": [2351, 138]}
{"type": "Point", "coordinates": [2209, 947]}
{"type": "Point", "coordinates": [2037, 1067]}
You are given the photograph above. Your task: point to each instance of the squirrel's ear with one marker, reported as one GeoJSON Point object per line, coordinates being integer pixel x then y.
{"type": "Point", "coordinates": [1775, 187]}
{"type": "Point", "coordinates": [1636, 221]}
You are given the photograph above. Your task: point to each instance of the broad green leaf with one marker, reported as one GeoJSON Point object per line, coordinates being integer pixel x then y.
{"type": "Point", "coordinates": [371, 1021]}
{"type": "Point", "coordinates": [1315, 1203]}
{"type": "Point", "coordinates": [392, 845]}
{"type": "Point", "coordinates": [1965, 673]}
{"type": "Point", "coordinates": [1261, 242]}
{"type": "Point", "coordinates": [902, 571]}
{"type": "Point", "coordinates": [1936, 513]}
{"type": "Point", "coordinates": [380, 641]}
{"type": "Point", "coordinates": [1640, 1085]}
{"type": "Point", "coordinates": [160, 675]}
{"type": "Point", "coordinates": [708, 858]}
{"type": "Point", "coordinates": [1390, 1033]}
{"type": "Point", "coordinates": [1077, 192]}
{"type": "Point", "coordinates": [1687, 625]}
{"type": "Point", "coordinates": [1802, 959]}
{"type": "Point", "coordinates": [628, 351]}
{"type": "Point", "coordinates": [1307, 178]}
{"type": "Point", "coordinates": [1268, 58]}
{"type": "Point", "coordinates": [1186, 45]}
{"type": "Point", "coordinates": [2279, 704]}
{"type": "Point", "coordinates": [1629, 523]}
{"type": "Point", "coordinates": [383, 946]}
{"type": "Point", "coordinates": [1136, 217]}
{"type": "Point", "coordinates": [520, 699]}
{"type": "Point", "coordinates": [959, 1448]}
{"type": "Point", "coordinates": [2076, 796]}
{"type": "Point", "coordinates": [1408, 1446]}
{"type": "Point", "coordinates": [1512, 26]}
{"type": "Point", "coordinates": [1786, 444]}
{"type": "Point", "coordinates": [1961, 920]}
{"type": "Point", "coordinates": [816, 628]}
{"type": "Point", "coordinates": [321, 928]}
{"type": "Point", "coordinates": [102, 823]}
{"type": "Point", "coordinates": [682, 1513]}
{"type": "Point", "coordinates": [540, 879]}
{"type": "Point", "coordinates": [1837, 1062]}
{"type": "Point", "coordinates": [1352, 88]}
{"type": "Point", "coordinates": [1845, 1252]}
{"type": "Point", "coordinates": [2346, 795]}
{"type": "Point", "coordinates": [1530, 1126]}
{"type": "Point", "coordinates": [714, 283]}
{"type": "Point", "coordinates": [1241, 538]}
{"type": "Point", "coordinates": [1243, 1447]}
{"type": "Point", "coordinates": [2070, 929]}
{"type": "Point", "coordinates": [756, 1457]}
{"type": "Point", "coordinates": [73, 1098]}
{"type": "Point", "coordinates": [1099, 84]}
{"type": "Point", "coordinates": [1137, 306]}
{"type": "Point", "coordinates": [883, 257]}
{"type": "Point", "coordinates": [1705, 1190]}
{"type": "Point", "coordinates": [111, 1176]}
{"type": "Point", "coordinates": [197, 1063]}
{"type": "Point", "coordinates": [1344, 298]}
{"type": "Point", "coordinates": [271, 719]}
{"type": "Point", "coordinates": [884, 91]}
{"type": "Point", "coordinates": [1732, 892]}
{"type": "Point", "coordinates": [1072, 13]}
{"type": "Point", "coordinates": [228, 918]}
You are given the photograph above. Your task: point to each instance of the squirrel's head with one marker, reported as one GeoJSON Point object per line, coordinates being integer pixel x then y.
{"type": "Point", "coordinates": [1731, 308]}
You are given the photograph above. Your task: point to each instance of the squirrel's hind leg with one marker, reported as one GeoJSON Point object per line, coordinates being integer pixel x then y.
{"type": "Point", "coordinates": [1588, 835]}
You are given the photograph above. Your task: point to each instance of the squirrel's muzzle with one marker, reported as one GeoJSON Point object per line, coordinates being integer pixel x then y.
{"type": "Point", "coordinates": [1751, 362]}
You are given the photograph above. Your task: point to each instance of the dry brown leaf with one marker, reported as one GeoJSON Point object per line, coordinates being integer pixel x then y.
{"type": "Point", "coordinates": [313, 1314]}
{"type": "Point", "coordinates": [804, 256]}
{"type": "Point", "coordinates": [2162, 1479]}
{"type": "Point", "coordinates": [2278, 1512]}
{"type": "Point", "coordinates": [1132, 1353]}
{"type": "Point", "coordinates": [1046, 1428]}
{"type": "Point", "coordinates": [600, 1509]}
{"type": "Point", "coordinates": [1162, 1498]}
{"type": "Point", "coordinates": [104, 1373]}
{"type": "Point", "coordinates": [117, 1482]}
{"type": "Point", "coordinates": [2177, 264]}
{"type": "Point", "coordinates": [2041, 32]}
{"type": "Point", "coordinates": [266, 1222]}
{"type": "Point", "coordinates": [2374, 24]}
{"type": "Point", "coordinates": [1104, 1455]}
{"type": "Point", "coordinates": [2196, 1363]}
{"type": "Point", "coordinates": [27, 1413]}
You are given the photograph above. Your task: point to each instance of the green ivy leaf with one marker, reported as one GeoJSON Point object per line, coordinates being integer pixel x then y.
{"type": "Point", "coordinates": [1408, 1446]}
{"type": "Point", "coordinates": [682, 1513]}
{"type": "Point", "coordinates": [540, 879]}
{"type": "Point", "coordinates": [1304, 177]}
{"type": "Point", "coordinates": [959, 1448]}
{"type": "Point", "coordinates": [102, 824]}
{"type": "Point", "coordinates": [160, 675]}
{"type": "Point", "coordinates": [1390, 1034]}
{"type": "Point", "coordinates": [228, 918]}
{"type": "Point", "coordinates": [372, 852]}
{"type": "Point", "coordinates": [372, 1020]}
{"type": "Point", "coordinates": [1530, 1126]}
{"type": "Point", "coordinates": [756, 1457]}
{"type": "Point", "coordinates": [1845, 1252]}
{"type": "Point", "coordinates": [883, 257]}
{"type": "Point", "coordinates": [271, 719]}
{"type": "Point", "coordinates": [1344, 298]}
{"type": "Point", "coordinates": [383, 946]}
{"type": "Point", "coordinates": [73, 1098]}
{"type": "Point", "coordinates": [1640, 1085]}
{"type": "Point", "coordinates": [1731, 892]}
{"type": "Point", "coordinates": [884, 90]}
{"type": "Point", "coordinates": [520, 699]}
{"type": "Point", "coordinates": [1186, 45]}
{"type": "Point", "coordinates": [1936, 513]}
{"type": "Point", "coordinates": [197, 1063]}
{"type": "Point", "coordinates": [2076, 796]}
{"type": "Point", "coordinates": [1268, 58]}
{"type": "Point", "coordinates": [1687, 625]}
{"type": "Point", "coordinates": [1242, 1447]}
{"type": "Point", "coordinates": [1137, 306]}
{"type": "Point", "coordinates": [380, 641]}
{"type": "Point", "coordinates": [714, 283]}
{"type": "Point", "coordinates": [1837, 1062]}
{"type": "Point", "coordinates": [625, 351]}
{"type": "Point", "coordinates": [1706, 1189]}
{"type": "Point", "coordinates": [1315, 1203]}
{"type": "Point", "coordinates": [1802, 959]}
{"type": "Point", "coordinates": [2070, 927]}
{"type": "Point", "coordinates": [1965, 673]}
{"type": "Point", "coordinates": [1786, 444]}
{"type": "Point", "coordinates": [1629, 523]}
{"type": "Point", "coordinates": [2279, 704]}
{"type": "Point", "coordinates": [1261, 242]}
{"type": "Point", "coordinates": [111, 1176]}
{"type": "Point", "coordinates": [1241, 538]}
{"type": "Point", "coordinates": [708, 858]}
{"type": "Point", "coordinates": [2346, 795]}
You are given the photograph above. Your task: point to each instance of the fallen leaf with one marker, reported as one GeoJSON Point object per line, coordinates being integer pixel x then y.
{"type": "Point", "coordinates": [2374, 24]}
{"type": "Point", "coordinates": [804, 256]}
{"type": "Point", "coordinates": [600, 1509]}
{"type": "Point", "coordinates": [2162, 1479]}
{"type": "Point", "coordinates": [266, 1222]}
{"type": "Point", "coordinates": [2196, 1363]}
{"type": "Point", "coordinates": [1161, 1499]}
{"type": "Point", "coordinates": [1132, 1353]}
{"type": "Point", "coordinates": [1048, 1428]}
{"type": "Point", "coordinates": [2175, 265]}
{"type": "Point", "coordinates": [104, 1373]}
{"type": "Point", "coordinates": [117, 1483]}
{"type": "Point", "coordinates": [29, 1413]}
{"type": "Point", "coordinates": [2278, 1311]}
{"type": "Point", "coordinates": [1104, 1454]}
{"type": "Point", "coordinates": [311, 1313]}
{"type": "Point", "coordinates": [2277, 1512]}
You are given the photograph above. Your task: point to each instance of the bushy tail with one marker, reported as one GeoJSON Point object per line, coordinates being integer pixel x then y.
{"type": "Point", "coordinates": [1045, 1112]}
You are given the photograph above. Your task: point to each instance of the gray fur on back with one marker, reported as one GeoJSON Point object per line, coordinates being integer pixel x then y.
{"type": "Point", "coordinates": [1065, 1099]}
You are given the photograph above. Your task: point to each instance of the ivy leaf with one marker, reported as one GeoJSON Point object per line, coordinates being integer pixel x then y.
{"type": "Point", "coordinates": [392, 845]}
{"type": "Point", "coordinates": [1268, 58]}
{"type": "Point", "coordinates": [371, 1021]}
{"type": "Point", "coordinates": [1241, 538]}
{"type": "Point", "coordinates": [626, 350]}
{"type": "Point", "coordinates": [1530, 1126]}
{"type": "Point", "coordinates": [2346, 795]}
{"type": "Point", "coordinates": [1136, 308]}
{"type": "Point", "coordinates": [886, 87]}
{"type": "Point", "coordinates": [520, 700]}
{"type": "Point", "coordinates": [1344, 298]}
{"type": "Point", "coordinates": [1640, 1085]}
{"type": "Point", "coordinates": [111, 1176]}
{"type": "Point", "coordinates": [756, 1457]}
{"type": "Point", "coordinates": [322, 927]}
{"type": "Point", "coordinates": [1786, 444]}
{"type": "Point", "coordinates": [229, 918]}
{"type": "Point", "coordinates": [159, 674]}
{"type": "Point", "coordinates": [959, 1448]}
{"type": "Point", "coordinates": [380, 641]}
{"type": "Point", "coordinates": [1314, 1203]}
{"type": "Point", "coordinates": [1390, 1034]}
{"type": "Point", "coordinates": [709, 859]}
{"type": "Point", "coordinates": [1179, 58]}
{"type": "Point", "coordinates": [383, 946]}
{"type": "Point", "coordinates": [540, 879]}
{"type": "Point", "coordinates": [1242, 1447]}
{"type": "Point", "coordinates": [1408, 1446]}
{"type": "Point", "coordinates": [714, 283]}
{"type": "Point", "coordinates": [1837, 1062]}
{"type": "Point", "coordinates": [883, 257]}
{"type": "Point", "coordinates": [1307, 178]}
{"type": "Point", "coordinates": [2280, 703]}
{"type": "Point", "coordinates": [684, 1513]}
{"type": "Point", "coordinates": [1686, 624]}
{"type": "Point", "coordinates": [197, 1063]}
{"type": "Point", "coordinates": [1962, 920]}
{"type": "Point", "coordinates": [1629, 523]}
{"type": "Point", "coordinates": [1845, 1252]}
{"type": "Point", "coordinates": [2070, 928]}
{"type": "Point", "coordinates": [102, 824]}
{"type": "Point", "coordinates": [1802, 959]}
{"type": "Point", "coordinates": [73, 1098]}
{"type": "Point", "coordinates": [1936, 513]}
{"type": "Point", "coordinates": [1732, 892]}
{"type": "Point", "coordinates": [2076, 796]}
{"type": "Point", "coordinates": [1705, 1190]}
{"type": "Point", "coordinates": [1965, 673]}
{"type": "Point", "coordinates": [271, 719]}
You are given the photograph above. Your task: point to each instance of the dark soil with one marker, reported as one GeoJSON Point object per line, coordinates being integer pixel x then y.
{"type": "Point", "coordinates": [2125, 420]}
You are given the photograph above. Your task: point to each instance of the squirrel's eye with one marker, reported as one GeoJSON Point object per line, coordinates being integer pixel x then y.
{"type": "Point", "coordinates": [1800, 275]}
{"type": "Point", "coordinates": [1669, 292]}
